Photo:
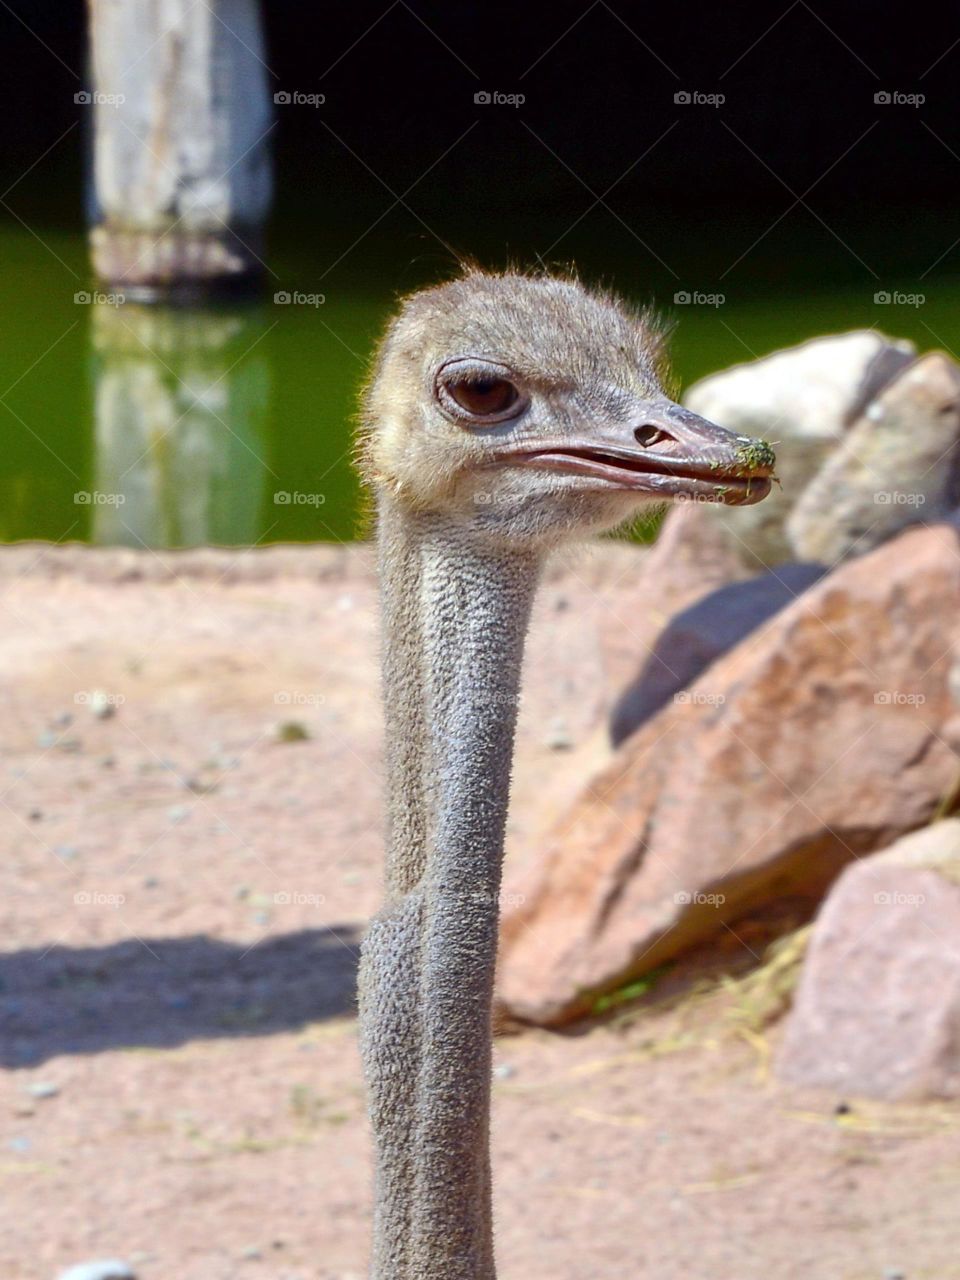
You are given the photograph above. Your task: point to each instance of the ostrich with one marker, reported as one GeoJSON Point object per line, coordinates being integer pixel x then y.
{"type": "Point", "coordinates": [506, 413]}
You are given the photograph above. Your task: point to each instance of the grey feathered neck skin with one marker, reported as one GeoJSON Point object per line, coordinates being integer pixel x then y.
{"type": "Point", "coordinates": [455, 613]}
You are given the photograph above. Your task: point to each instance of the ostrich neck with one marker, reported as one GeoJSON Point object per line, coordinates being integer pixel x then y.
{"type": "Point", "coordinates": [455, 614]}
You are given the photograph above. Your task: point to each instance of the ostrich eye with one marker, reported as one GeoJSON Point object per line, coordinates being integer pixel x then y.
{"type": "Point", "coordinates": [478, 392]}
{"type": "Point", "coordinates": [484, 396]}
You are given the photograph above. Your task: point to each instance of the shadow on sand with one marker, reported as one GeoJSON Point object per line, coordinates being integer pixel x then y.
{"type": "Point", "coordinates": [165, 992]}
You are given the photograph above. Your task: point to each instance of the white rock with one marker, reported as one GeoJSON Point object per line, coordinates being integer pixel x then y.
{"type": "Point", "coordinates": [799, 399]}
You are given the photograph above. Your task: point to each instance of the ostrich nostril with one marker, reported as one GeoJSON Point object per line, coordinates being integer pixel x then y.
{"type": "Point", "coordinates": [650, 435]}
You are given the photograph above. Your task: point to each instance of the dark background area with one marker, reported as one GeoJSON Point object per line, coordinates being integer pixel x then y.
{"type": "Point", "coordinates": [796, 199]}
{"type": "Point", "coordinates": [599, 82]}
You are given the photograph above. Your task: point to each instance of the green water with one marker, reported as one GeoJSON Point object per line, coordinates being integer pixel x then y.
{"type": "Point", "coordinates": [235, 429]}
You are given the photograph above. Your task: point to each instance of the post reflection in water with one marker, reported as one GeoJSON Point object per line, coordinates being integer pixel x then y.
{"type": "Point", "coordinates": [180, 404]}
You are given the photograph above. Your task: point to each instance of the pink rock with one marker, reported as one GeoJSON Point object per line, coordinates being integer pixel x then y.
{"type": "Point", "coordinates": [692, 557]}
{"type": "Point", "coordinates": [877, 1011]}
{"type": "Point", "coordinates": [702, 633]}
{"type": "Point", "coordinates": [816, 740]}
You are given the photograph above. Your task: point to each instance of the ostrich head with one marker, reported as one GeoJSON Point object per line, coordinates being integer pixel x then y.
{"type": "Point", "coordinates": [529, 408]}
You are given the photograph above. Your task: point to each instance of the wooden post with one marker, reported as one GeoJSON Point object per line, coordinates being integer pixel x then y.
{"type": "Point", "coordinates": [181, 164]}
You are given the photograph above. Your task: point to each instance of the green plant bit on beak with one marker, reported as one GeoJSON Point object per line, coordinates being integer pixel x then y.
{"type": "Point", "coordinates": [753, 457]}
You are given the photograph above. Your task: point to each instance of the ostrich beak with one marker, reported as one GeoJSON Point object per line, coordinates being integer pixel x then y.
{"type": "Point", "coordinates": [665, 451]}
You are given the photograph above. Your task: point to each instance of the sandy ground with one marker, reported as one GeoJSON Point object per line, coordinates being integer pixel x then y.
{"type": "Point", "coordinates": [183, 894]}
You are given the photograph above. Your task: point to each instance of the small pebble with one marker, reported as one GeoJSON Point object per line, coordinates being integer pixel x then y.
{"type": "Point", "coordinates": [251, 1253]}
{"type": "Point", "coordinates": [504, 1070]}
{"type": "Point", "coordinates": [67, 852]}
{"type": "Point", "coordinates": [291, 731]}
{"type": "Point", "coordinates": [178, 812]}
{"type": "Point", "coordinates": [42, 1089]}
{"type": "Point", "coordinates": [64, 719]}
{"type": "Point", "coordinates": [199, 786]}
{"type": "Point", "coordinates": [35, 815]}
{"type": "Point", "coordinates": [558, 737]}
{"type": "Point", "coordinates": [104, 1269]}
{"type": "Point", "coordinates": [102, 705]}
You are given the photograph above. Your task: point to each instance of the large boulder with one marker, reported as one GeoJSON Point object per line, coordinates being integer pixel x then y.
{"type": "Point", "coordinates": [700, 634]}
{"type": "Point", "coordinates": [691, 558]}
{"type": "Point", "coordinates": [898, 463]}
{"type": "Point", "coordinates": [801, 399]}
{"type": "Point", "coordinates": [817, 739]}
{"type": "Point", "coordinates": [877, 1010]}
